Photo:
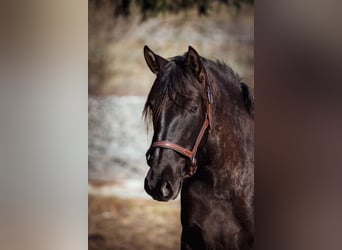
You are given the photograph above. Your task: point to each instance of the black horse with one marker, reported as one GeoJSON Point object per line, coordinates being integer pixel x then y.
{"type": "Point", "coordinates": [203, 145]}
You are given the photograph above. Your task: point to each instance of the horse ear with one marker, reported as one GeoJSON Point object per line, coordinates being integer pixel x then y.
{"type": "Point", "coordinates": [248, 98]}
{"type": "Point", "coordinates": [193, 60]}
{"type": "Point", "coordinates": [155, 62]}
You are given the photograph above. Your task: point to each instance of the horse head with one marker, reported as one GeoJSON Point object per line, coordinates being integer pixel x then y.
{"type": "Point", "coordinates": [178, 106]}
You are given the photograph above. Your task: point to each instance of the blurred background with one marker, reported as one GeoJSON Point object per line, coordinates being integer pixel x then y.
{"type": "Point", "coordinates": [121, 215]}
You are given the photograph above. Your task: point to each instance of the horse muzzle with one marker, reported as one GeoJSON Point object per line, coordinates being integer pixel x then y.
{"type": "Point", "coordinates": [161, 190]}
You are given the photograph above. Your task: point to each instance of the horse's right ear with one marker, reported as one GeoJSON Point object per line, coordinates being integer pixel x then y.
{"type": "Point", "coordinates": [193, 60]}
{"type": "Point", "coordinates": [155, 62]}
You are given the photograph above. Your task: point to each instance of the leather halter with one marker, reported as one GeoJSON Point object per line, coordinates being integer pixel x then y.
{"type": "Point", "coordinates": [191, 154]}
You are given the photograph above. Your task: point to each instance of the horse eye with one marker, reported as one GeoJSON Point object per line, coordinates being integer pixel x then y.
{"type": "Point", "coordinates": [194, 108]}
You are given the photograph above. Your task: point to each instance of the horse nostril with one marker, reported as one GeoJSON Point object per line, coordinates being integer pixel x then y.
{"type": "Point", "coordinates": [149, 158]}
{"type": "Point", "coordinates": [166, 189]}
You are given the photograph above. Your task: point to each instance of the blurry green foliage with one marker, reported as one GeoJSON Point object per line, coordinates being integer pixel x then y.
{"type": "Point", "coordinates": [178, 5]}
{"type": "Point", "coordinates": [153, 7]}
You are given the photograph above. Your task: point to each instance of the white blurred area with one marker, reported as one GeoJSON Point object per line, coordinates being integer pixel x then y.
{"type": "Point", "coordinates": [117, 142]}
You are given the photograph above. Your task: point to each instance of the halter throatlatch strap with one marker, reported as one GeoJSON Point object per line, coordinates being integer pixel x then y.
{"type": "Point", "coordinates": [210, 101]}
{"type": "Point", "coordinates": [191, 154]}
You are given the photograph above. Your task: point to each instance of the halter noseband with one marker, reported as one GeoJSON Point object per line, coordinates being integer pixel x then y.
{"type": "Point", "coordinates": [191, 154]}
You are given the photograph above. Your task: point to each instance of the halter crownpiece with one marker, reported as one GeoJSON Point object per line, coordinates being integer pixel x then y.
{"type": "Point", "coordinates": [191, 154]}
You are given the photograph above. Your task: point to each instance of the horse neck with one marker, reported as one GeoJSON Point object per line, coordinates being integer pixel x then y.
{"type": "Point", "coordinates": [230, 141]}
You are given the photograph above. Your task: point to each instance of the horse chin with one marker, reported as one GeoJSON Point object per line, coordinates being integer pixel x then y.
{"type": "Point", "coordinates": [178, 191]}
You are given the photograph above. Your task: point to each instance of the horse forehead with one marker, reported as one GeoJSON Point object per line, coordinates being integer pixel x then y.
{"type": "Point", "coordinates": [171, 68]}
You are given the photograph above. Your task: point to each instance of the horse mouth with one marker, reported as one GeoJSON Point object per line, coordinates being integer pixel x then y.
{"type": "Point", "coordinates": [166, 196]}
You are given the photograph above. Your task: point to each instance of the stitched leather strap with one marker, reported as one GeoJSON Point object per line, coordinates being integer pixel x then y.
{"type": "Point", "coordinates": [186, 152]}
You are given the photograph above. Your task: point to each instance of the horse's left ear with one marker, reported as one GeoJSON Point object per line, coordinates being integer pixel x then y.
{"type": "Point", "coordinates": [193, 60]}
{"type": "Point", "coordinates": [248, 98]}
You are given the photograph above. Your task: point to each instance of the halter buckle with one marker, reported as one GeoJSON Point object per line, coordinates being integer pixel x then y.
{"type": "Point", "coordinates": [193, 160]}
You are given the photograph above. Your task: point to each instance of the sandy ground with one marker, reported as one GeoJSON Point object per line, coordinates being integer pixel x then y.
{"type": "Point", "coordinates": [116, 223]}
